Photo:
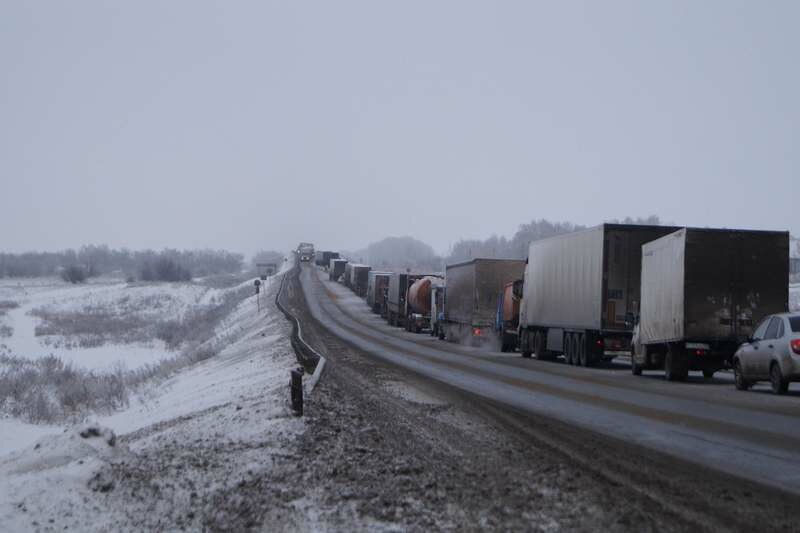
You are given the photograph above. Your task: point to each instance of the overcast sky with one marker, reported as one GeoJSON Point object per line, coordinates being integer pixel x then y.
{"type": "Point", "coordinates": [245, 125]}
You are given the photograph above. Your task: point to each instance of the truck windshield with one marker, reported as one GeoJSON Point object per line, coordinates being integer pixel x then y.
{"type": "Point", "coordinates": [794, 322]}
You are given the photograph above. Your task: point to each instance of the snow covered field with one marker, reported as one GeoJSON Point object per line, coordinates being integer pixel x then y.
{"type": "Point", "coordinates": [131, 309]}
{"type": "Point", "coordinates": [72, 478]}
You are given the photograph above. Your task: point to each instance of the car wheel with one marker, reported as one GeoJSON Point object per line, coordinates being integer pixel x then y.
{"type": "Point", "coordinates": [739, 379]}
{"type": "Point", "coordinates": [779, 384]}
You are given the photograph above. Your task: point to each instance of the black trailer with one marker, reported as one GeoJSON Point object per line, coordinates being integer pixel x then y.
{"type": "Point", "coordinates": [359, 277]}
{"type": "Point", "coordinates": [323, 258]}
{"type": "Point", "coordinates": [703, 291]}
{"type": "Point", "coordinates": [336, 269]}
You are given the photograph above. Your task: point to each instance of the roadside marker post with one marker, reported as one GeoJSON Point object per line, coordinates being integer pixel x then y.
{"type": "Point", "coordinates": [257, 284]}
{"type": "Point", "coordinates": [296, 386]}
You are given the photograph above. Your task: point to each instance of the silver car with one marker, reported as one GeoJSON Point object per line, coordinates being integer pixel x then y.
{"type": "Point", "coordinates": [773, 353]}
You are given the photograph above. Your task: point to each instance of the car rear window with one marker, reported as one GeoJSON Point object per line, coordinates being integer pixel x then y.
{"type": "Point", "coordinates": [794, 321]}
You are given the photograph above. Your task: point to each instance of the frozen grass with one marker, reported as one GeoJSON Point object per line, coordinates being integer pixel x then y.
{"type": "Point", "coordinates": [5, 306]}
{"type": "Point", "coordinates": [51, 390]}
{"type": "Point", "coordinates": [197, 326]}
{"type": "Point", "coordinates": [225, 281]}
{"type": "Point", "coordinates": [47, 389]}
{"type": "Point", "coordinates": [127, 320]}
{"type": "Point", "coordinates": [92, 326]}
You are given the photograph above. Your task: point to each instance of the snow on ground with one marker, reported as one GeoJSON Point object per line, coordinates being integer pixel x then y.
{"type": "Point", "coordinates": [18, 434]}
{"type": "Point", "coordinates": [148, 301]}
{"type": "Point", "coordinates": [84, 482]}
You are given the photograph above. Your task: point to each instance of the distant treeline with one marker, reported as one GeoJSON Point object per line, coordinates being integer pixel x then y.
{"type": "Point", "coordinates": [142, 264]}
{"type": "Point", "coordinates": [517, 246]}
{"type": "Point", "coordinates": [401, 253]}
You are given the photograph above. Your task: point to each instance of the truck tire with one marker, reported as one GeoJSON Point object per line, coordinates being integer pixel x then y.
{"type": "Point", "coordinates": [669, 367]}
{"type": "Point", "coordinates": [708, 373]}
{"type": "Point", "coordinates": [538, 346]}
{"type": "Point", "coordinates": [504, 344]}
{"type": "Point", "coordinates": [582, 352]}
{"type": "Point", "coordinates": [674, 366]}
{"type": "Point", "coordinates": [636, 368]}
{"type": "Point", "coordinates": [525, 344]}
{"type": "Point", "coordinates": [568, 351]}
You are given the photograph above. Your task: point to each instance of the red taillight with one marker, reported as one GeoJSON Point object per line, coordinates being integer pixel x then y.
{"type": "Point", "coordinates": [796, 346]}
{"type": "Point", "coordinates": [600, 343]}
{"type": "Point", "coordinates": [699, 352]}
{"type": "Point", "coordinates": [476, 332]}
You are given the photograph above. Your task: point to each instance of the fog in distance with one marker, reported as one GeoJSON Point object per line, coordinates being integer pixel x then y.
{"type": "Point", "coordinates": [252, 125]}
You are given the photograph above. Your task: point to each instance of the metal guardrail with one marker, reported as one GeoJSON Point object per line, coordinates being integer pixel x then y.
{"type": "Point", "coordinates": [307, 356]}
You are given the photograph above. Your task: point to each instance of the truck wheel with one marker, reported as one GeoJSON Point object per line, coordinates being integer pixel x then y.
{"type": "Point", "coordinates": [503, 343]}
{"type": "Point", "coordinates": [583, 356]}
{"type": "Point", "coordinates": [708, 373]}
{"type": "Point", "coordinates": [572, 353]}
{"type": "Point", "coordinates": [669, 367]}
{"type": "Point", "coordinates": [538, 347]}
{"type": "Point", "coordinates": [674, 366]}
{"type": "Point", "coordinates": [636, 368]}
{"type": "Point", "coordinates": [568, 350]}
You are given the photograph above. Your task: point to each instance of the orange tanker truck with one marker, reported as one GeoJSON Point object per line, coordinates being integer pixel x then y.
{"type": "Point", "coordinates": [419, 303]}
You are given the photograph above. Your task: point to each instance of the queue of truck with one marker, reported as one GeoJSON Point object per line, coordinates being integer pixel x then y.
{"type": "Point", "coordinates": [670, 298]}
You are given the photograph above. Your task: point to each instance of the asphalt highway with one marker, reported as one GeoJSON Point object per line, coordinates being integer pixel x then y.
{"type": "Point", "coordinates": [755, 434]}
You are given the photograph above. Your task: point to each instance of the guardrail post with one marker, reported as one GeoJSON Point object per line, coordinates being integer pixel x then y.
{"type": "Point", "coordinates": [296, 385]}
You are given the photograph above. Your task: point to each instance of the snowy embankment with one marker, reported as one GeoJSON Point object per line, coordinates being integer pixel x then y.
{"type": "Point", "coordinates": [99, 325]}
{"type": "Point", "coordinates": [163, 467]}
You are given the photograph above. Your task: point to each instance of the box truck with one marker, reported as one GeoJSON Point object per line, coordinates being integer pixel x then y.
{"type": "Point", "coordinates": [581, 292]}
{"type": "Point", "coordinates": [702, 293]}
